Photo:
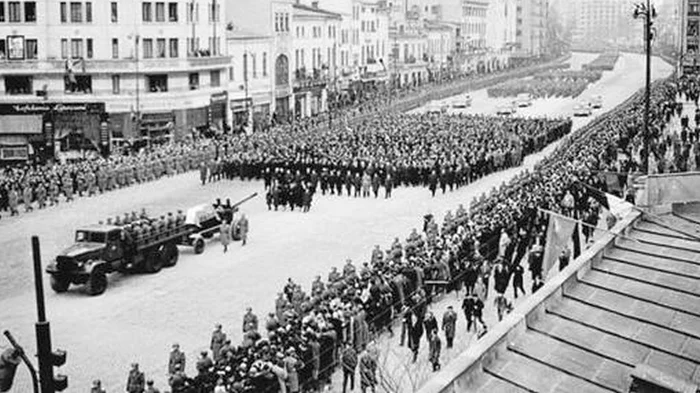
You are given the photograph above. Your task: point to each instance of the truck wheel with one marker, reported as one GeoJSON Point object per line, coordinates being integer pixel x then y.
{"type": "Point", "coordinates": [59, 284]}
{"type": "Point", "coordinates": [170, 255]}
{"type": "Point", "coordinates": [97, 283]}
{"type": "Point", "coordinates": [154, 262]}
{"type": "Point", "coordinates": [199, 246]}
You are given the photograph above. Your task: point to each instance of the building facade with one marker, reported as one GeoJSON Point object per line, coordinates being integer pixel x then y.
{"type": "Point", "coordinates": [531, 27]}
{"type": "Point", "coordinates": [89, 73]}
{"type": "Point", "coordinates": [690, 36]}
{"type": "Point", "coordinates": [316, 41]}
{"type": "Point", "coordinates": [251, 79]}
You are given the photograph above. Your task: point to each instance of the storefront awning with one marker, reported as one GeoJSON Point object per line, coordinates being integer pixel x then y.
{"type": "Point", "coordinates": [21, 124]}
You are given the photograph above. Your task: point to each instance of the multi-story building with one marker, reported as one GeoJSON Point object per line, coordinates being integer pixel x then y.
{"type": "Point", "coordinates": [690, 36]}
{"type": "Point", "coordinates": [86, 72]}
{"type": "Point", "coordinates": [251, 79]}
{"type": "Point", "coordinates": [409, 59]}
{"type": "Point", "coordinates": [474, 14]}
{"type": "Point", "coordinates": [274, 18]}
{"type": "Point", "coordinates": [531, 27]}
{"type": "Point", "coordinates": [316, 38]}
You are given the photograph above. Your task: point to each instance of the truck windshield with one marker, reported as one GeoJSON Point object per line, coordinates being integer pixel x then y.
{"type": "Point", "coordinates": [92, 237]}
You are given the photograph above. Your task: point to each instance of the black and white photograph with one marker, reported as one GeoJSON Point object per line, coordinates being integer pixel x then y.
{"type": "Point", "coordinates": [334, 196]}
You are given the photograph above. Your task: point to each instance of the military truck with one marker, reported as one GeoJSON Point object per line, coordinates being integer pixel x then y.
{"type": "Point", "coordinates": [144, 245]}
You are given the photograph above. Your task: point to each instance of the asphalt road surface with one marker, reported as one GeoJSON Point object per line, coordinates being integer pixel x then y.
{"type": "Point", "coordinates": [141, 316]}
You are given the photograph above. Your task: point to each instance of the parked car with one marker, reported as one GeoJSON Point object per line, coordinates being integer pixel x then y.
{"type": "Point", "coordinates": [462, 102]}
{"type": "Point", "coordinates": [582, 109]}
{"type": "Point", "coordinates": [507, 109]}
{"type": "Point", "coordinates": [596, 102]}
{"type": "Point", "coordinates": [524, 100]}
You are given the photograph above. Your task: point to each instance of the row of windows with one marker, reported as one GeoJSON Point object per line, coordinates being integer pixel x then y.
{"type": "Point", "coordinates": [156, 12]}
{"type": "Point", "coordinates": [82, 84]}
{"type": "Point", "coordinates": [18, 12]}
{"type": "Point", "coordinates": [316, 58]}
{"type": "Point", "coordinates": [317, 32]}
{"type": "Point", "coordinates": [370, 26]}
{"type": "Point", "coordinates": [281, 22]}
{"type": "Point", "coordinates": [31, 50]}
{"type": "Point", "coordinates": [253, 65]}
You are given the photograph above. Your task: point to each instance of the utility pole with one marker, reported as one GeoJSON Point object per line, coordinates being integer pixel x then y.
{"type": "Point", "coordinates": [138, 88]}
{"type": "Point", "coordinates": [648, 13]}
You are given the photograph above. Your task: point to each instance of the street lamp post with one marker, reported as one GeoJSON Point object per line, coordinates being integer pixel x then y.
{"type": "Point", "coordinates": [648, 13]}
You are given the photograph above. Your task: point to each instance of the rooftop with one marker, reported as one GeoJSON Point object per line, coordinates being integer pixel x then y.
{"type": "Point", "coordinates": [316, 9]}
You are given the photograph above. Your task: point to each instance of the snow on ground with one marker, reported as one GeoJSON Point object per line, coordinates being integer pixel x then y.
{"type": "Point", "coordinates": [141, 316]}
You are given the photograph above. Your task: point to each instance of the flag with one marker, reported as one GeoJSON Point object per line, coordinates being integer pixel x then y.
{"type": "Point", "coordinates": [559, 230]}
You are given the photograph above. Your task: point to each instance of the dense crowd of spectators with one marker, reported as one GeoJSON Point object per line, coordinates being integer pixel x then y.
{"type": "Point", "coordinates": [310, 334]}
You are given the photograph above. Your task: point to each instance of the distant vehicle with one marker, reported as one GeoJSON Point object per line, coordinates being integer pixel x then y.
{"type": "Point", "coordinates": [582, 109]}
{"type": "Point", "coordinates": [524, 100]}
{"type": "Point", "coordinates": [507, 109]}
{"type": "Point", "coordinates": [102, 249]}
{"type": "Point", "coordinates": [596, 102]}
{"type": "Point", "coordinates": [462, 102]}
{"type": "Point", "coordinates": [437, 108]}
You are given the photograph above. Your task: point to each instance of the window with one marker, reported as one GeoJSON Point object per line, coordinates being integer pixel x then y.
{"type": "Point", "coordinates": [17, 85]}
{"type": "Point", "coordinates": [88, 12]}
{"type": "Point", "coordinates": [114, 12]}
{"type": "Point", "coordinates": [76, 13]}
{"type": "Point", "coordinates": [89, 48]}
{"type": "Point", "coordinates": [64, 48]}
{"type": "Point", "coordinates": [76, 48]}
{"type": "Point", "coordinates": [215, 77]}
{"type": "Point", "coordinates": [254, 66]}
{"type": "Point", "coordinates": [147, 12]}
{"type": "Point", "coordinates": [173, 47]}
{"type": "Point", "coordinates": [245, 67]}
{"type": "Point", "coordinates": [230, 73]}
{"type": "Point", "coordinates": [160, 47]}
{"type": "Point", "coordinates": [147, 48]}
{"type": "Point", "coordinates": [2, 11]}
{"type": "Point", "coordinates": [264, 64]}
{"type": "Point", "coordinates": [32, 49]}
{"type": "Point", "coordinates": [172, 12]}
{"type": "Point", "coordinates": [13, 7]}
{"type": "Point", "coordinates": [30, 11]}
{"type": "Point", "coordinates": [190, 11]}
{"type": "Point", "coordinates": [77, 84]}
{"type": "Point", "coordinates": [116, 81]}
{"type": "Point", "coordinates": [194, 81]}
{"type": "Point", "coordinates": [157, 83]}
{"type": "Point", "coordinates": [160, 12]}
{"type": "Point", "coordinates": [115, 48]}
{"type": "Point", "coordinates": [64, 12]}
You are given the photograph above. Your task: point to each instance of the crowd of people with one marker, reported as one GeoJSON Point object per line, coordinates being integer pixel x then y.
{"type": "Point", "coordinates": [388, 151]}
{"type": "Point", "coordinates": [47, 185]}
{"type": "Point", "coordinates": [310, 334]}
{"type": "Point", "coordinates": [591, 76]}
{"type": "Point", "coordinates": [540, 87]}
{"type": "Point", "coordinates": [604, 62]}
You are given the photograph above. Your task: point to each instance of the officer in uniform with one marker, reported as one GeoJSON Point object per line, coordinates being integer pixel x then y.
{"type": "Point", "coordinates": [53, 192]}
{"type": "Point", "coordinates": [90, 178]}
{"type": "Point", "coordinates": [101, 180]}
{"type": "Point", "coordinates": [41, 195]}
{"type": "Point", "coordinates": [13, 201]}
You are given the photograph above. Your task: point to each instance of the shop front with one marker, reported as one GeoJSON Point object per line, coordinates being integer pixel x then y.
{"type": "Point", "coordinates": [44, 131]}
{"type": "Point", "coordinates": [240, 110]}
{"type": "Point", "coordinates": [217, 112]}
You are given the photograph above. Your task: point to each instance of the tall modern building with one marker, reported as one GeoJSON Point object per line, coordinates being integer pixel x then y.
{"type": "Point", "coordinates": [606, 23]}
{"type": "Point", "coordinates": [531, 27]}
{"type": "Point", "coordinates": [94, 72]}
{"type": "Point", "coordinates": [690, 36]}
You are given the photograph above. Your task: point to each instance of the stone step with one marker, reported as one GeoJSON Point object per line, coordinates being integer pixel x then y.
{"type": "Point", "coordinates": [621, 349]}
{"type": "Point", "coordinates": [656, 335]}
{"type": "Point", "coordinates": [538, 377]}
{"type": "Point", "coordinates": [687, 268]}
{"type": "Point", "coordinates": [573, 360]}
{"type": "Point", "coordinates": [649, 275]}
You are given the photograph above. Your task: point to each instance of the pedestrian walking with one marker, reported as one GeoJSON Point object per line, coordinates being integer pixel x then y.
{"type": "Point", "coordinates": [435, 349]}
{"type": "Point", "coordinates": [243, 227]}
{"type": "Point", "coordinates": [368, 372]}
{"type": "Point", "coordinates": [177, 360]}
{"type": "Point", "coordinates": [449, 324]}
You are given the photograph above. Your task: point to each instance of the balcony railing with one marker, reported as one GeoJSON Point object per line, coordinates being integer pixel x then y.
{"type": "Point", "coordinates": [117, 65]}
{"type": "Point", "coordinates": [308, 79]}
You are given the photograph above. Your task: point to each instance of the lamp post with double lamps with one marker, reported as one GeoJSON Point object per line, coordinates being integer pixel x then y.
{"type": "Point", "coordinates": [647, 13]}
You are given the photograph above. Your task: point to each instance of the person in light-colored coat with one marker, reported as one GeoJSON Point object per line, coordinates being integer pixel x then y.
{"type": "Point", "coordinates": [225, 234]}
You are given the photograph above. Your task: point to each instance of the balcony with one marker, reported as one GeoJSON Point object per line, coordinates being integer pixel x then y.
{"type": "Point", "coordinates": [308, 79]}
{"type": "Point", "coordinates": [58, 66]}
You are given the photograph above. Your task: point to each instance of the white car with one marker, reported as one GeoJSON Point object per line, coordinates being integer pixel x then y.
{"type": "Point", "coordinates": [524, 100]}
{"type": "Point", "coordinates": [464, 102]}
{"type": "Point", "coordinates": [507, 109]}
{"type": "Point", "coordinates": [582, 109]}
{"type": "Point", "coordinates": [437, 108]}
{"type": "Point", "coordinates": [596, 102]}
